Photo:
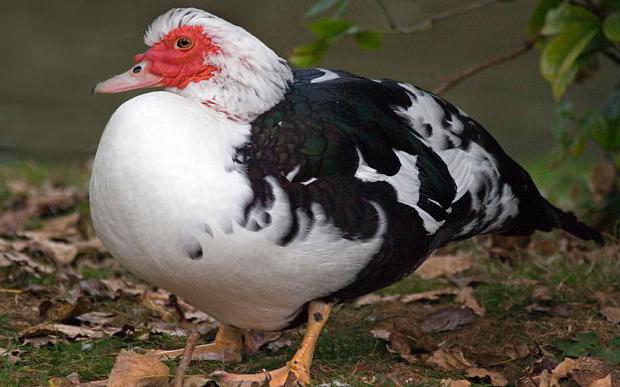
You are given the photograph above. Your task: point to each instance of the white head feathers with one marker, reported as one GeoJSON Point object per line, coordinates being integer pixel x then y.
{"type": "Point", "coordinates": [251, 77]}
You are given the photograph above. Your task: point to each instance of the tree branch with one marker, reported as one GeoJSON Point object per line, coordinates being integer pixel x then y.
{"type": "Point", "coordinates": [475, 69]}
{"type": "Point", "coordinates": [431, 21]}
{"type": "Point", "coordinates": [387, 14]}
{"type": "Point", "coordinates": [613, 57]}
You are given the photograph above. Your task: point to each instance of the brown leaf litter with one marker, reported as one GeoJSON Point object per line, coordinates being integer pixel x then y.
{"type": "Point", "coordinates": [133, 369]}
{"type": "Point", "coordinates": [611, 314]}
{"type": "Point", "coordinates": [585, 372]}
{"type": "Point", "coordinates": [444, 265]}
{"type": "Point", "coordinates": [464, 295]}
{"type": "Point", "coordinates": [449, 359]}
{"type": "Point", "coordinates": [62, 310]}
{"type": "Point", "coordinates": [12, 356]}
{"type": "Point", "coordinates": [496, 378]}
{"type": "Point", "coordinates": [448, 319]}
{"type": "Point", "coordinates": [454, 383]}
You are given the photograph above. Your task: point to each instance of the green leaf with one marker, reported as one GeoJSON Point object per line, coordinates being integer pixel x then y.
{"type": "Point", "coordinates": [309, 54]}
{"type": "Point", "coordinates": [581, 345]}
{"type": "Point", "coordinates": [571, 348]}
{"type": "Point", "coordinates": [588, 338]}
{"type": "Point", "coordinates": [612, 109]}
{"type": "Point", "coordinates": [578, 146]}
{"type": "Point", "coordinates": [330, 28]}
{"type": "Point", "coordinates": [612, 5]}
{"type": "Point", "coordinates": [609, 355]}
{"type": "Point", "coordinates": [558, 62]}
{"type": "Point", "coordinates": [537, 20]}
{"type": "Point", "coordinates": [603, 132]}
{"type": "Point", "coordinates": [370, 40]}
{"type": "Point", "coordinates": [567, 18]}
{"type": "Point", "coordinates": [321, 6]}
{"type": "Point", "coordinates": [611, 26]}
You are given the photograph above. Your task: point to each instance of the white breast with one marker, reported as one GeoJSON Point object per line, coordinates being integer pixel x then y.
{"type": "Point", "coordinates": [164, 182]}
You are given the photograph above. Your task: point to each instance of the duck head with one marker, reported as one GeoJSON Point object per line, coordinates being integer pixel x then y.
{"type": "Point", "coordinates": [203, 57]}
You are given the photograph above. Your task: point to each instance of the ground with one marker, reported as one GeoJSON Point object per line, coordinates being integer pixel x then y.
{"type": "Point", "coordinates": [501, 311]}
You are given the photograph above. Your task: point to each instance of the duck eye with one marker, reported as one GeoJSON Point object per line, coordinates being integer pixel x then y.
{"type": "Point", "coordinates": [184, 43]}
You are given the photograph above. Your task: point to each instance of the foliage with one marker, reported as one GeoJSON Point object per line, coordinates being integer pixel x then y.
{"type": "Point", "coordinates": [600, 127]}
{"type": "Point", "coordinates": [573, 36]}
{"type": "Point", "coordinates": [588, 344]}
{"type": "Point", "coordinates": [330, 30]}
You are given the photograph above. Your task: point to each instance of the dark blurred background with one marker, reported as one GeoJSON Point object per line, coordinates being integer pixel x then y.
{"type": "Point", "coordinates": [55, 51]}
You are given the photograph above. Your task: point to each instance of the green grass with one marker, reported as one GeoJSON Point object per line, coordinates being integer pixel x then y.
{"type": "Point", "coordinates": [501, 299]}
{"type": "Point", "coordinates": [413, 284]}
{"type": "Point", "coordinates": [36, 174]}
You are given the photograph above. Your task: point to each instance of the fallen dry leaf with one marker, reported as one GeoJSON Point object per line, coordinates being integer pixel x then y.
{"type": "Point", "coordinates": [253, 341]}
{"type": "Point", "coordinates": [62, 227]}
{"type": "Point", "coordinates": [496, 378]}
{"type": "Point", "coordinates": [51, 202]}
{"type": "Point", "coordinates": [68, 331]}
{"type": "Point", "coordinates": [611, 314]}
{"type": "Point", "coordinates": [373, 298]}
{"type": "Point", "coordinates": [120, 286]}
{"type": "Point", "coordinates": [444, 265]}
{"type": "Point", "coordinates": [553, 310]}
{"type": "Point", "coordinates": [13, 356]}
{"type": "Point", "coordinates": [542, 293]}
{"type": "Point", "coordinates": [584, 371]}
{"type": "Point", "coordinates": [431, 295]}
{"type": "Point", "coordinates": [97, 318]}
{"type": "Point", "coordinates": [132, 369]}
{"type": "Point", "coordinates": [589, 370]}
{"type": "Point", "coordinates": [603, 382]}
{"type": "Point", "coordinates": [10, 257]}
{"type": "Point", "coordinates": [62, 310]}
{"type": "Point", "coordinates": [41, 342]}
{"type": "Point", "coordinates": [196, 381]}
{"type": "Point", "coordinates": [97, 288]}
{"type": "Point", "coordinates": [71, 380]}
{"type": "Point", "coordinates": [170, 329]}
{"type": "Point", "coordinates": [449, 359]}
{"type": "Point", "coordinates": [448, 319]}
{"type": "Point", "coordinates": [381, 333]}
{"type": "Point", "coordinates": [62, 253]}
{"type": "Point", "coordinates": [466, 297]}
{"type": "Point", "coordinates": [397, 343]}
{"type": "Point", "coordinates": [454, 383]}
{"type": "Point", "coordinates": [402, 375]}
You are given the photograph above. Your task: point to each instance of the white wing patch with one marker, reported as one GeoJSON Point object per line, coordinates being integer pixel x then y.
{"type": "Point", "coordinates": [328, 75]}
{"type": "Point", "coordinates": [406, 184]}
{"type": "Point", "coordinates": [473, 169]}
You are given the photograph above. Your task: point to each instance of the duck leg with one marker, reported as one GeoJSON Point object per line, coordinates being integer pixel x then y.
{"type": "Point", "coordinates": [227, 347]}
{"type": "Point", "coordinates": [298, 369]}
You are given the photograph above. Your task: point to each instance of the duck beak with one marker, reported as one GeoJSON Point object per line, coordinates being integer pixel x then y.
{"type": "Point", "coordinates": [137, 77]}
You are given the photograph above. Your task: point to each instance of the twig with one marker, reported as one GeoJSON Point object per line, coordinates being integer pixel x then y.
{"type": "Point", "coordinates": [387, 14]}
{"type": "Point", "coordinates": [493, 61]}
{"type": "Point", "coordinates": [613, 57]}
{"type": "Point", "coordinates": [13, 291]}
{"type": "Point", "coordinates": [174, 302]}
{"type": "Point", "coordinates": [186, 358]}
{"type": "Point", "coordinates": [431, 21]}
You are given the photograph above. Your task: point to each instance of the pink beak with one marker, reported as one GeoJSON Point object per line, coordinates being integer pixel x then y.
{"type": "Point", "coordinates": [135, 78]}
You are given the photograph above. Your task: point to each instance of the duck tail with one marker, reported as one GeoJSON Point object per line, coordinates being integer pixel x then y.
{"type": "Point", "coordinates": [568, 222]}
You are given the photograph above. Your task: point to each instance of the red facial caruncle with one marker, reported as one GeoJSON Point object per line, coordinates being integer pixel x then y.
{"type": "Point", "coordinates": [177, 60]}
{"type": "Point", "coordinates": [179, 57]}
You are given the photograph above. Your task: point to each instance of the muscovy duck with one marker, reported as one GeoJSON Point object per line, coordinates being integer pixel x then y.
{"type": "Point", "coordinates": [264, 195]}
